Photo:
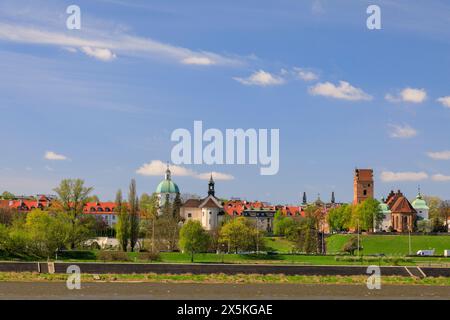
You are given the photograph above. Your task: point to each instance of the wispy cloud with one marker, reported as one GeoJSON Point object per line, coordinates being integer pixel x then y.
{"type": "Point", "coordinates": [343, 91]}
{"type": "Point", "coordinates": [410, 95]}
{"type": "Point", "coordinates": [389, 176]}
{"type": "Point", "coordinates": [99, 53]}
{"type": "Point", "coordinates": [440, 155]}
{"type": "Point", "coordinates": [50, 155]}
{"type": "Point", "coordinates": [106, 46]}
{"type": "Point", "coordinates": [402, 131]}
{"type": "Point", "coordinates": [305, 75]}
{"type": "Point", "coordinates": [158, 168]}
{"type": "Point", "coordinates": [440, 178]}
{"type": "Point", "coordinates": [261, 78]}
{"type": "Point", "coordinates": [215, 175]}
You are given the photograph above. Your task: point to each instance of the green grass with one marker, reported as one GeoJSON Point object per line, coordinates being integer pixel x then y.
{"type": "Point", "coordinates": [222, 278]}
{"type": "Point", "coordinates": [278, 244]}
{"type": "Point", "coordinates": [391, 244]}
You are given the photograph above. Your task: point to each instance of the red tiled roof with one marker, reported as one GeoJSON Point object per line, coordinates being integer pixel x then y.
{"type": "Point", "coordinates": [402, 205]}
{"type": "Point", "coordinates": [99, 207]}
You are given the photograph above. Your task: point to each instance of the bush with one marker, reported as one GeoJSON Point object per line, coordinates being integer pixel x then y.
{"type": "Point", "coordinates": [389, 260]}
{"type": "Point", "coordinates": [113, 256]}
{"type": "Point", "coordinates": [149, 256]}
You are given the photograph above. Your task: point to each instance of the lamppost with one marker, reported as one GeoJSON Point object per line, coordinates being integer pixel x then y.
{"type": "Point", "coordinates": [358, 235]}
{"type": "Point", "coordinates": [257, 235]}
{"type": "Point", "coordinates": [409, 238]}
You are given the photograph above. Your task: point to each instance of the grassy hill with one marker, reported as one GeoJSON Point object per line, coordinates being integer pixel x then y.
{"type": "Point", "coordinates": [391, 244]}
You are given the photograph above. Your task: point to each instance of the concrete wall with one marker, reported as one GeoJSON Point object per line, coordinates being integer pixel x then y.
{"type": "Point", "coordinates": [161, 268]}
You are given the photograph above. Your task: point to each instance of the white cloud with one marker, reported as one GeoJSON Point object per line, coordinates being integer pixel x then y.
{"type": "Point", "coordinates": [440, 178]}
{"type": "Point", "coordinates": [440, 155]}
{"type": "Point", "coordinates": [50, 155]}
{"type": "Point", "coordinates": [389, 176]}
{"type": "Point", "coordinates": [202, 61]}
{"type": "Point", "coordinates": [261, 78]}
{"type": "Point", "coordinates": [158, 168]}
{"type": "Point", "coordinates": [402, 131]}
{"type": "Point", "coordinates": [445, 101]}
{"type": "Point", "coordinates": [408, 95]}
{"type": "Point", "coordinates": [216, 176]}
{"type": "Point", "coordinates": [343, 91]}
{"type": "Point", "coordinates": [104, 44]}
{"type": "Point", "coordinates": [99, 53]}
{"type": "Point", "coordinates": [305, 75]}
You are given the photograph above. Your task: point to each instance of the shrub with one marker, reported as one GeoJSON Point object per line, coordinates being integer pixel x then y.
{"type": "Point", "coordinates": [149, 256]}
{"type": "Point", "coordinates": [113, 256]}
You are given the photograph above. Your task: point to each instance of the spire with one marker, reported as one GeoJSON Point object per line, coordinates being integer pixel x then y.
{"type": "Point", "coordinates": [333, 199]}
{"type": "Point", "coordinates": [419, 194]}
{"type": "Point", "coordinates": [168, 173]}
{"type": "Point", "coordinates": [211, 191]}
{"type": "Point", "coordinates": [304, 202]}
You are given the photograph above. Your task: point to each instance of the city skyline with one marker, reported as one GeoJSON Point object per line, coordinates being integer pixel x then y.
{"type": "Point", "coordinates": [101, 103]}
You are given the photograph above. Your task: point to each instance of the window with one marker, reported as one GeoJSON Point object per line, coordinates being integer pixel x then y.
{"type": "Point", "coordinates": [365, 192]}
{"type": "Point", "coordinates": [189, 215]}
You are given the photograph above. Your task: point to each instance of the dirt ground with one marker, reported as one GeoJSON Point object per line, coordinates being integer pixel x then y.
{"type": "Point", "coordinates": [144, 291]}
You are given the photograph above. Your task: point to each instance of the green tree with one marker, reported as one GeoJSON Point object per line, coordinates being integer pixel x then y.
{"type": "Point", "coordinates": [238, 235]}
{"type": "Point", "coordinates": [176, 206]}
{"type": "Point", "coordinates": [72, 197]}
{"type": "Point", "coordinates": [166, 209]}
{"type": "Point", "coordinates": [148, 206]}
{"type": "Point", "coordinates": [284, 226]}
{"type": "Point", "coordinates": [367, 214]}
{"type": "Point", "coordinates": [339, 218]}
{"type": "Point", "coordinates": [167, 230]}
{"type": "Point", "coordinates": [48, 232]}
{"type": "Point", "coordinates": [193, 238]}
{"type": "Point", "coordinates": [435, 203]}
{"type": "Point", "coordinates": [307, 232]}
{"type": "Point", "coordinates": [123, 222]}
{"type": "Point", "coordinates": [133, 206]}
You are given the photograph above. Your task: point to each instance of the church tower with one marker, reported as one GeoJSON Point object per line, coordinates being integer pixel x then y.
{"type": "Point", "coordinates": [362, 185]}
{"type": "Point", "coordinates": [304, 201]}
{"type": "Point", "coordinates": [211, 191]}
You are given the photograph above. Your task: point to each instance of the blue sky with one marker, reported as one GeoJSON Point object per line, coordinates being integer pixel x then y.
{"type": "Point", "coordinates": [101, 102]}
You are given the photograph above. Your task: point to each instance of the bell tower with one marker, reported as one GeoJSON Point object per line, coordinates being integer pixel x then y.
{"type": "Point", "coordinates": [363, 188]}
{"type": "Point", "coordinates": [211, 191]}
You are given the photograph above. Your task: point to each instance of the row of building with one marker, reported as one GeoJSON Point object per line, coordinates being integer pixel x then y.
{"type": "Point", "coordinates": [399, 214]}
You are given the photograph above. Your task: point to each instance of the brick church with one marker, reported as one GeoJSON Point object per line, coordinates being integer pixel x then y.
{"type": "Point", "coordinates": [400, 214]}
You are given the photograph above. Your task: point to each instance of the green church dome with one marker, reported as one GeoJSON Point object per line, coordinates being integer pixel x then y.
{"type": "Point", "coordinates": [420, 203]}
{"type": "Point", "coordinates": [167, 186]}
{"type": "Point", "coordinates": [384, 208]}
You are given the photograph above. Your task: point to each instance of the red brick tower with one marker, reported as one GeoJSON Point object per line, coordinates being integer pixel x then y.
{"type": "Point", "coordinates": [362, 185]}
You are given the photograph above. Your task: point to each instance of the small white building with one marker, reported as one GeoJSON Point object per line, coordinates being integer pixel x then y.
{"type": "Point", "coordinates": [208, 211]}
